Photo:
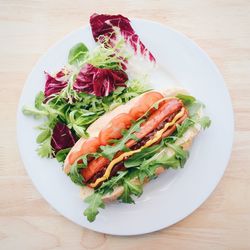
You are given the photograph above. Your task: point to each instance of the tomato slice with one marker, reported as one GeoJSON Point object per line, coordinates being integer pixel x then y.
{"type": "Point", "coordinates": [114, 128]}
{"type": "Point", "coordinates": [168, 108]}
{"type": "Point", "coordinates": [94, 167]}
{"type": "Point", "coordinates": [111, 131]}
{"type": "Point", "coordinates": [144, 103]}
{"type": "Point", "coordinates": [83, 147]}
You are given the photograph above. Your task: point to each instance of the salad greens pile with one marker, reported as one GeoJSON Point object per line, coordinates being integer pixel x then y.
{"type": "Point", "coordinates": [76, 109]}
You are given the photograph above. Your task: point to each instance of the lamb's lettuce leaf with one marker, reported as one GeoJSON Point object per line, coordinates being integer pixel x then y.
{"type": "Point", "coordinates": [77, 53]}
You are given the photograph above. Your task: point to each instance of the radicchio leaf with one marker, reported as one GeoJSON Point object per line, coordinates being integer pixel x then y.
{"type": "Point", "coordinates": [99, 81]}
{"type": "Point", "coordinates": [106, 25]}
{"type": "Point", "coordinates": [55, 84]}
{"type": "Point", "coordinates": [62, 137]}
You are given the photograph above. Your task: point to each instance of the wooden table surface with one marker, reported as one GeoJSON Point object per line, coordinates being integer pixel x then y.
{"type": "Point", "coordinates": [29, 28]}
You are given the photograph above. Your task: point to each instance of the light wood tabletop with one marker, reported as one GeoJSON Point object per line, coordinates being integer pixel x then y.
{"type": "Point", "coordinates": [29, 28]}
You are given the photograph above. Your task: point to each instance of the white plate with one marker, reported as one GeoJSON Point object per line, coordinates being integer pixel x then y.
{"type": "Point", "coordinates": [175, 194]}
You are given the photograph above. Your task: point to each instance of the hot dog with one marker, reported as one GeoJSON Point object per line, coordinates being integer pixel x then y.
{"type": "Point", "coordinates": [161, 113]}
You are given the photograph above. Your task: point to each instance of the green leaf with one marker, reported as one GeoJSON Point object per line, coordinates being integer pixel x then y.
{"type": "Point", "coordinates": [107, 56]}
{"type": "Point", "coordinates": [180, 154]}
{"type": "Point", "coordinates": [85, 160]}
{"type": "Point", "coordinates": [130, 189]}
{"type": "Point", "coordinates": [109, 185]}
{"type": "Point", "coordinates": [119, 145]}
{"type": "Point", "coordinates": [39, 100]}
{"type": "Point", "coordinates": [205, 122]}
{"type": "Point", "coordinates": [43, 136]}
{"type": "Point", "coordinates": [53, 110]}
{"type": "Point", "coordinates": [146, 153]}
{"type": "Point", "coordinates": [186, 99]}
{"type": "Point", "coordinates": [137, 86]}
{"type": "Point", "coordinates": [134, 189]}
{"type": "Point", "coordinates": [37, 114]}
{"type": "Point", "coordinates": [156, 105]}
{"type": "Point", "coordinates": [142, 175]}
{"type": "Point", "coordinates": [62, 154]}
{"type": "Point", "coordinates": [75, 174]}
{"type": "Point", "coordinates": [77, 53]}
{"type": "Point", "coordinates": [80, 131]}
{"type": "Point", "coordinates": [167, 162]}
{"type": "Point", "coordinates": [95, 202]}
{"type": "Point", "coordinates": [194, 108]}
{"type": "Point", "coordinates": [181, 129]}
{"type": "Point", "coordinates": [146, 164]}
{"type": "Point", "coordinates": [45, 149]}
{"type": "Point", "coordinates": [126, 195]}
{"type": "Point", "coordinates": [148, 167]}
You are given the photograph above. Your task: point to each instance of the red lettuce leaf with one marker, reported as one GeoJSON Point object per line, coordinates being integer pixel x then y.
{"type": "Point", "coordinates": [103, 26]}
{"type": "Point", "coordinates": [99, 81]}
{"type": "Point", "coordinates": [62, 137]}
{"type": "Point", "coordinates": [55, 84]}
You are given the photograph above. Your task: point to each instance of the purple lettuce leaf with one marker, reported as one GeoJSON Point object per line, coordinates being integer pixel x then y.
{"type": "Point", "coordinates": [62, 137]}
{"type": "Point", "coordinates": [99, 81]}
{"type": "Point", "coordinates": [54, 85]}
{"type": "Point", "coordinates": [104, 26]}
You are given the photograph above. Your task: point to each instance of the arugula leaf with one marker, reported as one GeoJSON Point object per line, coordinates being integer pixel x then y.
{"type": "Point", "coordinates": [129, 189]}
{"type": "Point", "coordinates": [152, 157]}
{"type": "Point", "coordinates": [77, 53]}
{"type": "Point", "coordinates": [95, 202]}
{"type": "Point", "coordinates": [126, 196]}
{"type": "Point", "coordinates": [148, 167]}
{"type": "Point", "coordinates": [75, 174]}
{"type": "Point", "coordinates": [80, 163]}
{"type": "Point", "coordinates": [119, 145]}
{"type": "Point", "coordinates": [147, 170]}
{"type": "Point", "coordinates": [186, 99]}
{"type": "Point", "coordinates": [109, 185]}
{"type": "Point", "coordinates": [181, 129]}
{"type": "Point", "coordinates": [62, 154]}
{"type": "Point", "coordinates": [194, 108]}
{"type": "Point", "coordinates": [146, 153]}
{"type": "Point", "coordinates": [205, 122]}
{"type": "Point", "coordinates": [180, 154]}
{"type": "Point", "coordinates": [165, 161]}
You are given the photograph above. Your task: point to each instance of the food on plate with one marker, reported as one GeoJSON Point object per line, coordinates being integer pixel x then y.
{"type": "Point", "coordinates": [100, 119]}
{"type": "Point", "coordinates": [132, 144]}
